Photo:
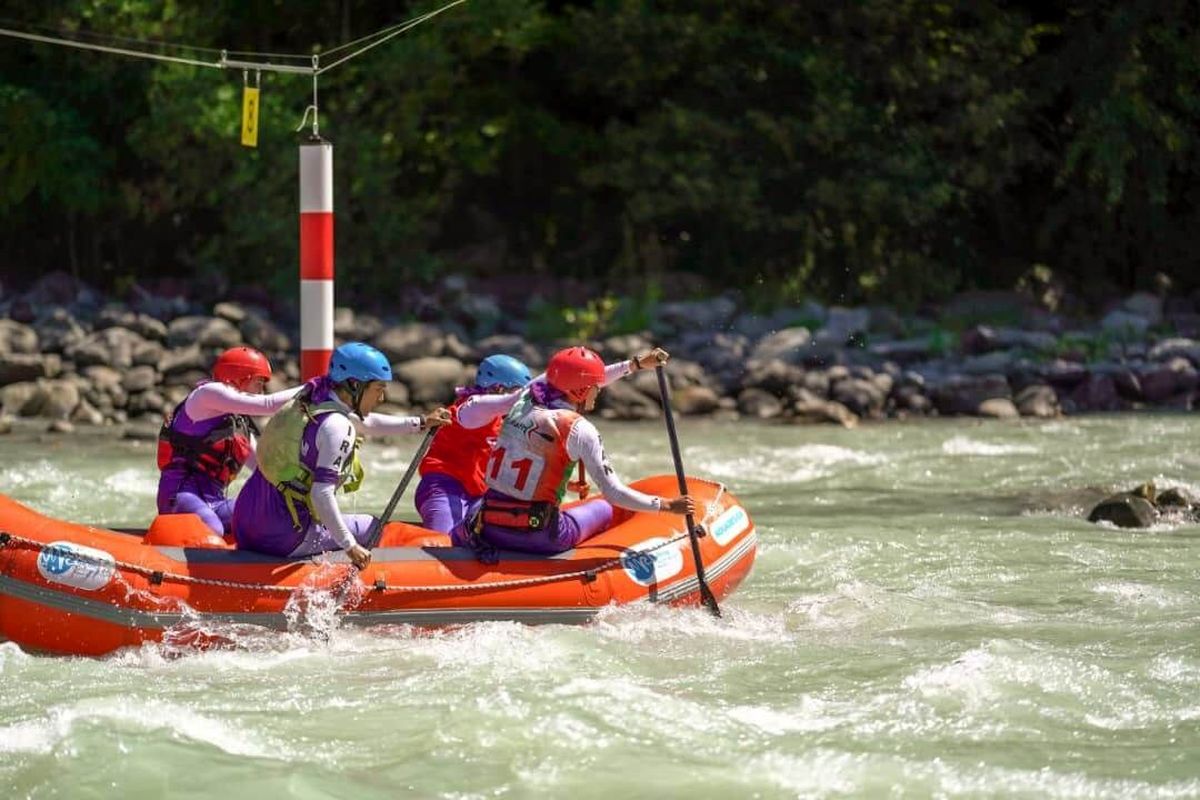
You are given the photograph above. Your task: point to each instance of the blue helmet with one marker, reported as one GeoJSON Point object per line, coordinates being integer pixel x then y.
{"type": "Point", "coordinates": [502, 370]}
{"type": "Point", "coordinates": [360, 362]}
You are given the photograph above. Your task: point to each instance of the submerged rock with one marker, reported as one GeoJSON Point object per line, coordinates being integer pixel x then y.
{"type": "Point", "coordinates": [1125, 510]}
{"type": "Point", "coordinates": [1143, 506]}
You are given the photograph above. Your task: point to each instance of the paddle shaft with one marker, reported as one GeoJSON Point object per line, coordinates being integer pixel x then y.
{"type": "Point", "coordinates": [706, 595]}
{"type": "Point", "coordinates": [377, 528]}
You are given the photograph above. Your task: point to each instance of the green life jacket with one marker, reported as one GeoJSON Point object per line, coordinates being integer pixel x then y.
{"type": "Point", "coordinates": [279, 454]}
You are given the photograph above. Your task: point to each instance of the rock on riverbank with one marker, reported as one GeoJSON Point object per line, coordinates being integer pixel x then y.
{"type": "Point", "coordinates": [72, 357]}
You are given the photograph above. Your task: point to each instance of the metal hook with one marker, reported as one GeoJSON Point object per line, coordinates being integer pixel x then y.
{"type": "Point", "coordinates": [304, 119]}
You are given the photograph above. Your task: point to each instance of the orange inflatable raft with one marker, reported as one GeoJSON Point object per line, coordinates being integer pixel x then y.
{"type": "Point", "coordinates": [79, 589]}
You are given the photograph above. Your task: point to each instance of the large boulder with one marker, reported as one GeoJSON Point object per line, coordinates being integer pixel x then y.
{"type": "Point", "coordinates": [759, 403]}
{"type": "Point", "coordinates": [1125, 324]}
{"type": "Point", "coordinates": [410, 341]}
{"type": "Point", "coordinates": [510, 344]}
{"type": "Point", "coordinates": [148, 402]}
{"type": "Point", "coordinates": [431, 380]}
{"type": "Point", "coordinates": [262, 333]}
{"type": "Point", "coordinates": [111, 347]}
{"type": "Point", "coordinates": [789, 345]}
{"type": "Point", "coordinates": [1062, 374]}
{"type": "Point", "coordinates": [911, 399]}
{"type": "Point", "coordinates": [352, 326]}
{"type": "Point", "coordinates": [87, 414]}
{"type": "Point", "coordinates": [1145, 305]}
{"type": "Point", "coordinates": [961, 394]}
{"type": "Point", "coordinates": [774, 376]}
{"type": "Point", "coordinates": [17, 367]}
{"type": "Point", "coordinates": [208, 332]}
{"type": "Point", "coordinates": [52, 399]}
{"type": "Point", "coordinates": [997, 408]}
{"type": "Point", "coordinates": [981, 339]}
{"type": "Point", "coordinates": [622, 400]}
{"type": "Point", "coordinates": [103, 378]}
{"type": "Point", "coordinates": [234, 312]}
{"type": "Point", "coordinates": [148, 354]}
{"type": "Point", "coordinates": [1038, 400]}
{"type": "Point", "coordinates": [1164, 383]}
{"type": "Point", "coordinates": [17, 338]}
{"type": "Point", "coordinates": [861, 396]}
{"type": "Point", "coordinates": [811, 409]}
{"type": "Point", "coordinates": [21, 399]}
{"type": "Point", "coordinates": [693, 400]}
{"type": "Point", "coordinates": [139, 379]}
{"type": "Point", "coordinates": [902, 351]}
{"type": "Point", "coordinates": [842, 322]}
{"type": "Point", "coordinates": [687, 315]}
{"type": "Point", "coordinates": [1127, 509]}
{"type": "Point", "coordinates": [144, 325]}
{"type": "Point", "coordinates": [1098, 392]}
{"type": "Point", "coordinates": [183, 359]}
{"type": "Point", "coordinates": [61, 399]}
{"type": "Point", "coordinates": [616, 348]}
{"type": "Point", "coordinates": [57, 330]}
{"type": "Point", "coordinates": [1169, 349]}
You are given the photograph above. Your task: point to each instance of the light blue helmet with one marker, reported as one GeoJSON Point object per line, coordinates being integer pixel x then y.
{"type": "Point", "coordinates": [502, 370]}
{"type": "Point", "coordinates": [358, 361]}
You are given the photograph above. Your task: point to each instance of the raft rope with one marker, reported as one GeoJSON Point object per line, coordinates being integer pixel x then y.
{"type": "Point", "coordinates": [157, 577]}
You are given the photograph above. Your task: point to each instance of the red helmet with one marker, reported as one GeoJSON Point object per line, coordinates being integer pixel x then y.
{"type": "Point", "coordinates": [575, 370]}
{"type": "Point", "coordinates": [238, 365]}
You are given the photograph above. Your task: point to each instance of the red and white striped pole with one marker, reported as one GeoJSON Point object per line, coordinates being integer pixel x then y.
{"type": "Point", "coordinates": [316, 257]}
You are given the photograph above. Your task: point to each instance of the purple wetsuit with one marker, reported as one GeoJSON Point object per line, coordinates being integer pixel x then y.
{"type": "Point", "coordinates": [261, 517]}
{"type": "Point", "coordinates": [185, 489]}
{"type": "Point", "coordinates": [573, 525]}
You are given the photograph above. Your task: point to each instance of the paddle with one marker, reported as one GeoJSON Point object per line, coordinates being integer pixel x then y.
{"type": "Point", "coordinates": [377, 529]}
{"type": "Point", "coordinates": [664, 391]}
{"type": "Point", "coordinates": [342, 591]}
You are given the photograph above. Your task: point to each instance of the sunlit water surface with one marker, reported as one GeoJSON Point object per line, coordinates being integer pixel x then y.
{"type": "Point", "coordinates": [929, 615]}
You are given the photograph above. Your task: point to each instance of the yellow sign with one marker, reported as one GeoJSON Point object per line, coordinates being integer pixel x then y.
{"type": "Point", "coordinates": [250, 116]}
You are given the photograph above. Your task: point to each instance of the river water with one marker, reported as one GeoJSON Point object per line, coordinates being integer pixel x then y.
{"type": "Point", "coordinates": [929, 615]}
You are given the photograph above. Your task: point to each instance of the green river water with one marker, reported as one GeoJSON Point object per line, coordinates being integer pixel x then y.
{"type": "Point", "coordinates": [929, 616]}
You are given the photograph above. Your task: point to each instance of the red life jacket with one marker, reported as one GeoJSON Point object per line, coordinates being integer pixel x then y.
{"type": "Point", "coordinates": [220, 454]}
{"type": "Point", "coordinates": [462, 453]}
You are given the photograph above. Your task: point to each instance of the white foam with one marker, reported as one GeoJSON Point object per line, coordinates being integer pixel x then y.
{"type": "Point", "coordinates": [967, 678]}
{"type": "Point", "coordinates": [133, 481]}
{"type": "Point", "coordinates": [12, 657]}
{"type": "Point", "coordinates": [767, 464]}
{"type": "Point", "coordinates": [44, 734]}
{"type": "Point", "coordinates": [644, 621]}
{"type": "Point", "coordinates": [1135, 594]}
{"type": "Point", "coordinates": [812, 715]}
{"type": "Point", "coordinates": [965, 446]}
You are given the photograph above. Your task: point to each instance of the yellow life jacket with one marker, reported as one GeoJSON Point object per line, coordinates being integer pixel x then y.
{"type": "Point", "coordinates": [279, 454]}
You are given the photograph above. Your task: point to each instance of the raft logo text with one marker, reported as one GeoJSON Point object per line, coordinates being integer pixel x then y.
{"type": "Point", "coordinates": [649, 562]}
{"type": "Point", "coordinates": [76, 566]}
{"type": "Point", "coordinates": [727, 526]}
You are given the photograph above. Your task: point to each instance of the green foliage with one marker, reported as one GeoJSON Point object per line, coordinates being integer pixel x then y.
{"type": "Point", "coordinates": [606, 315]}
{"type": "Point", "coordinates": [1089, 347]}
{"type": "Point", "coordinates": [875, 151]}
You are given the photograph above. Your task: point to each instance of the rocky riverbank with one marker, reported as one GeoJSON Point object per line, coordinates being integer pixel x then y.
{"type": "Point", "coordinates": [70, 356]}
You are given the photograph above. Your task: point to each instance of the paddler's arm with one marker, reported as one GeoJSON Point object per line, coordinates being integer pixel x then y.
{"type": "Point", "coordinates": [480, 409]}
{"type": "Point", "coordinates": [584, 444]}
{"type": "Point", "coordinates": [377, 424]}
{"type": "Point", "coordinates": [627, 366]}
{"type": "Point", "coordinates": [335, 443]}
{"type": "Point", "coordinates": [214, 399]}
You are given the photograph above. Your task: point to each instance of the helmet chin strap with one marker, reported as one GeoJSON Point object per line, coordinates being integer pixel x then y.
{"type": "Point", "coordinates": [357, 389]}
